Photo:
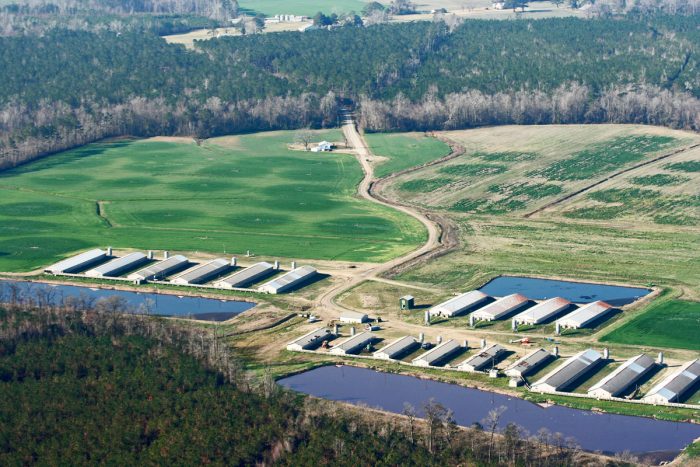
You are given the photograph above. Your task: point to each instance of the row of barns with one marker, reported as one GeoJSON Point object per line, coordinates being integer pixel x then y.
{"type": "Point", "coordinates": [218, 273]}
{"type": "Point", "coordinates": [562, 378]}
{"type": "Point", "coordinates": [485, 308]}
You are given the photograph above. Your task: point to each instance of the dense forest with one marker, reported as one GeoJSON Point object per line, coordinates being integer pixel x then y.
{"type": "Point", "coordinates": [97, 387]}
{"type": "Point", "coordinates": [66, 87]}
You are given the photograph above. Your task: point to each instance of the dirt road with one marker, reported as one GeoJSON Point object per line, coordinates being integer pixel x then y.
{"type": "Point", "coordinates": [325, 304]}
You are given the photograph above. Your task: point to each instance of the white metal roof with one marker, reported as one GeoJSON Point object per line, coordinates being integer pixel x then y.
{"type": "Point", "coordinates": [397, 347]}
{"type": "Point", "coordinates": [586, 314]}
{"type": "Point", "coordinates": [501, 307]}
{"type": "Point", "coordinates": [160, 268]}
{"type": "Point", "coordinates": [543, 311]}
{"type": "Point", "coordinates": [247, 275]}
{"type": "Point", "coordinates": [570, 370]}
{"type": "Point", "coordinates": [77, 261]}
{"type": "Point", "coordinates": [528, 363]}
{"type": "Point", "coordinates": [673, 386]}
{"type": "Point", "coordinates": [484, 357]}
{"type": "Point", "coordinates": [625, 375]}
{"type": "Point", "coordinates": [202, 271]}
{"type": "Point", "coordinates": [310, 337]}
{"type": "Point", "coordinates": [290, 279]}
{"type": "Point", "coordinates": [460, 303]}
{"type": "Point", "coordinates": [358, 340]}
{"type": "Point", "coordinates": [438, 352]}
{"type": "Point", "coordinates": [116, 265]}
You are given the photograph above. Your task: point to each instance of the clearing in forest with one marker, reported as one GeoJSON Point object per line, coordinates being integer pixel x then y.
{"type": "Point", "coordinates": [251, 193]}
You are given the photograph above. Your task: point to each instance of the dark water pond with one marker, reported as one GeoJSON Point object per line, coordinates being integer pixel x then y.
{"type": "Point", "coordinates": [577, 292]}
{"type": "Point", "coordinates": [205, 309]}
{"type": "Point", "coordinates": [646, 437]}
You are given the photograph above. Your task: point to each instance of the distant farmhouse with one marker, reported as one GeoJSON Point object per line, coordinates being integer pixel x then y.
{"type": "Point", "coordinates": [323, 146]}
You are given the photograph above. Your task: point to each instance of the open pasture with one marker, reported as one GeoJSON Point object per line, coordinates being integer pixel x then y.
{"type": "Point", "coordinates": [518, 169]}
{"type": "Point", "coordinates": [300, 7]}
{"type": "Point", "coordinates": [665, 323]}
{"type": "Point", "coordinates": [227, 195]}
{"type": "Point", "coordinates": [404, 150]}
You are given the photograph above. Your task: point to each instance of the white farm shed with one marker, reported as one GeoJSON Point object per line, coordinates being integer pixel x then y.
{"type": "Point", "coordinates": [543, 311]}
{"type": "Point", "coordinates": [202, 273]}
{"type": "Point", "coordinates": [310, 339]}
{"type": "Point", "coordinates": [438, 354]}
{"type": "Point", "coordinates": [78, 262]}
{"type": "Point", "coordinates": [289, 280]}
{"type": "Point", "coordinates": [400, 346]}
{"type": "Point", "coordinates": [568, 372]}
{"type": "Point", "coordinates": [459, 304]}
{"type": "Point", "coordinates": [585, 315]}
{"type": "Point", "coordinates": [354, 344]}
{"type": "Point", "coordinates": [350, 316]}
{"type": "Point", "coordinates": [117, 266]}
{"type": "Point", "coordinates": [672, 388]}
{"type": "Point", "coordinates": [623, 377]}
{"type": "Point", "coordinates": [501, 307]}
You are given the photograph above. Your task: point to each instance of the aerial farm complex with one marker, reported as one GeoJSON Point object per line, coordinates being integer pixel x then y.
{"type": "Point", "coordinates": [178, 270]}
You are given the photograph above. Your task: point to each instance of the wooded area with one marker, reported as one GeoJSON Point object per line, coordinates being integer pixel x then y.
{"type": "Point", "coordinates": [68, 88]}
{"type": "Point", "coordinates": [100, 385]}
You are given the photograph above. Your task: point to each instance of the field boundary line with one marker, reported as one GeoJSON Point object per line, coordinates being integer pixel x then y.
{"type": "Point", "coordinates": [610, 177]}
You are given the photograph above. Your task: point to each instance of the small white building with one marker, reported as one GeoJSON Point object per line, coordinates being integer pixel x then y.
{"type": "Point", "coordinates": [323, 146]}
{"type": "Point", "coordinates": [350, 316]}
{"type": "Point", "coordinates": [498, 5]}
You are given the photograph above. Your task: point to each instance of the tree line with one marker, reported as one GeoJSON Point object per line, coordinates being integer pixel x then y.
{"type": "Point", "coordinates": [142, 389]}
{"type": "Point", "coordinates": [69, 87]}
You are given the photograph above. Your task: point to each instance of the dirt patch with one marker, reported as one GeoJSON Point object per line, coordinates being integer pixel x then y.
{"type": "Point", "coordinates": [170, 139]}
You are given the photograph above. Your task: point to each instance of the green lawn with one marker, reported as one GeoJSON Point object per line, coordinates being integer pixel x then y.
{"type": "Point", "coordinates": [301, 7]}
{"type": "Point", "coordinates": [404, 150]}
{"type": "Point", "coordinates": [253, 194]}
{"type": "Point", "coordinates": [666, 323]}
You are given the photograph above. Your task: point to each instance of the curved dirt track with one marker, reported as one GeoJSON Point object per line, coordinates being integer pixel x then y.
{"type": "Point", "coordinates": [435, 242]}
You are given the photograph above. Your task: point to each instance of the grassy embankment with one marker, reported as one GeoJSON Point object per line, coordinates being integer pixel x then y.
{"type": "Point", "coordinates": [228, 195]}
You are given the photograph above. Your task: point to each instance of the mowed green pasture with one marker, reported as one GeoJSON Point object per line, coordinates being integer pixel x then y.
{"type": "Point", "coordinates": [301, 7]}
{"type": "Point", "coordinates": [665, 323]}
{"type": "Point", "coordinates": [229, 195]}
{"type": "Point", "coordinates": [404, 150]}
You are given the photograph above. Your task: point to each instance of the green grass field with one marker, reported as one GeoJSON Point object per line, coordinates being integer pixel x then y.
{"type": "Point", "coordinates": [666, 323]}
{"type": "Point", "coordinates": [404, 150]}
{"type": "Point", "coordinates": [229, 195]}
{"type": "Point", "coordinates": [301, 7]}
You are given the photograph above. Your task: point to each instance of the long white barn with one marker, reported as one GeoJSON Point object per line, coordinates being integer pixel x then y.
{"type": "Point", "coordinates": [459, 304]}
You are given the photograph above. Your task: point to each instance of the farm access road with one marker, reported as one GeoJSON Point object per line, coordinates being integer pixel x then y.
{"type": "Point", "coordinates": [437, 227]}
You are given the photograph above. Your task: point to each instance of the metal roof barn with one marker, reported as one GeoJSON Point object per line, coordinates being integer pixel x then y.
{"type": "Point", "coordinates": [671, 389]}
{"type": "Point", "coordinates": [568, 372]}
{"type": "Point", "coordinates": [310, 340]}
{"type": "Point", "coordinates": [246, 276]}
{"type": "Point", "coordinates": [354, 344]}
{"type": "Point", "coordinates": [486, 357]}
{"type": "Point", "coordinates": [289, 280]}
{"type": "Point", "coordinates": [397, 348]}
{"type": "Point", "coordinates": [585, 315]}
{"type": "Point", "coordinates": [529, 363]}
{"type": "Point", "coordinates": [78, 262]}
{"type": "Point", "coordinates": [202, 273]}
{"type": "Point", "coordinates": [438, 354]}
{"type": "Point", "coordinates": [117, 266]}
{"type": "Point", "coordinates": [543, 311]}
{"type": "Point", "coordinates": [161, 269]}
{"type": "Point", "coordinates": [501, 307]}
{"type": "Point", "coordinates": [349, 316]}
{"type": "Point", "coordinates": [459, 304]}
{"type": "Point", "coordinates": [623, 377]}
